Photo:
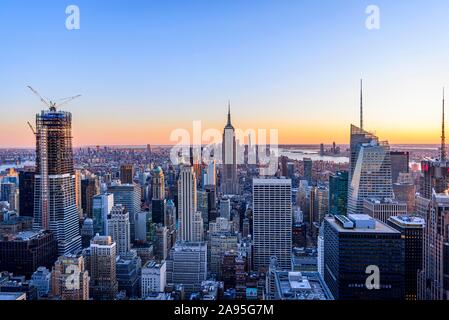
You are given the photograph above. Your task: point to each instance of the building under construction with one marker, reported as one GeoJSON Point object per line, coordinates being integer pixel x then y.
{"type": "Point", "coordinates": [55, 204]}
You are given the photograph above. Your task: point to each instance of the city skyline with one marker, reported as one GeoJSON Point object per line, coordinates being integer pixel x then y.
{"type": "Point", "coordinates": [141, 69]}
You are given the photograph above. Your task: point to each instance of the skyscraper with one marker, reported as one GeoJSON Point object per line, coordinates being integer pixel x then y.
{"type": "Point", "coordinates": [435, 172]}
{"type": "Point", "coordinates": [54, 199]}
{"type": "Point", "coordinates": [70, 279]}
{"type": "Point", "coordinates": [383, 209]}
{"type": "Point", "coordinates": [90, 187]}
{"type": "Point", "coordinates": [433, 284]}
{"type": "Point", "coordinates": [187, 202]}
{"type": "Point", "coordinates": [26, 191]}
{"type": "Point", "coordinates": [187, 265]}
{"type": "Point", "coordinates": [308, 164]}
{"type": "Point", "coordinates": [412, 230]}
{"type": "Point", "coordinates": [352, 245]}
{"type": "Point", "coordinates": [119, 229]}
{"type": "Point", "coordinates": [399, 163]}
{"type": "Point", "coordinates": [338, 193]}
{"type": "Point", "coordinates": [127, 173]}
{"type": "Point", "coordinates": [101, 207]}
{"type": "Point", "coordinates": [371, 174]}
{"type": "Point", "coordinates": [102, 268]}
{"type": "Point", "coordinates": [158, 202]}
{"type": "Point", "coordinates": [158, 184]}
{"type": "Point", "coordinates": [272, 220]}
{"type": "Point", "coordinates": [229, 179]}
{"type": "Point", "coordinates": [129, 195]}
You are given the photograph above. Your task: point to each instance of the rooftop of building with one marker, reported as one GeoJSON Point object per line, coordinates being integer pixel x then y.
{"type": "Point", "coordinates": [12, 296]}
{"type": "Point", "coordinates": [25, 235]}
{"type": "Point", "coordinates": [152, 264]}
{"type": "Point", "coordinates": [384, 201]}
{"type": "Point", "coordinates": [359, 223]}
{"type": "Point", "coordinates": [408, 221]}
{"type": "Point", "coordinates": [268, 181]}
{"type": "Point", "coordinates": [301, 286]}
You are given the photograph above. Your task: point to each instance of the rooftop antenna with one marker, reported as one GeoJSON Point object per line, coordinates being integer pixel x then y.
{"type": "Point", "coordinates": [443, 136]}
{"type": "Point", "coordinates": [361, 104]}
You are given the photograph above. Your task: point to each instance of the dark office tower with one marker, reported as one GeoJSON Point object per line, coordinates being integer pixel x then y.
{"type": "Point", "coordinates": [405, 192]}
{"type": "Point", "coordinates": [22, 253]}
{"type": "Point", "coordinates": [229, 179]}
{"type": "Point", "coordinates": [399, 164]}
{"type": "Point", "coordinates": [127, 173]}
{"type": "Point", "coordinates": [54, 193]}
{"type": "Point", "coordinates": [211, 203]}
{"type": "Point", "coordinates": [338, 193]}
{"type": "Point", "coordinates": [308, 164]}
{"type": "Point", "coordinates": [149, 149]}
{"type": "Point", "coordinates": [158, 211]}
{"type": "Point", "coordinates": [412, 230]}
{"type": "Point", "coordinates": [299, 237]}
{"type": "Point", "coordinates": [352, 244]}
{"type": "Point", "coordinates": [90, 187]}
{"type": "Point", "coordinates": [433, 281]}
{"type": "Point", "coordinates": [26, 191]}
{"type": "Point", "coordinates": [284, 167]}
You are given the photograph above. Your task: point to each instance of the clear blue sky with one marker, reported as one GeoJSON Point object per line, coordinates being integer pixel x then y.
{"type": "Point", "coordinates": [146, 67]}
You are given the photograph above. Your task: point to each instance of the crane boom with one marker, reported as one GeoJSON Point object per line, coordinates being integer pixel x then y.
{"type": "Point", "coordinates": [48, 104]}
{"type": "Point", "coordinates": [31, 127]}
{"type": "Point", "coordinates": [52, 105]}
{"type": "Point", "coordinates": [67, 100]}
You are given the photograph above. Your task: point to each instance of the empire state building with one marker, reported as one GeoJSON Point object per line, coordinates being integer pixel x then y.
{"type": "Point", "coordinates": [229, 181]}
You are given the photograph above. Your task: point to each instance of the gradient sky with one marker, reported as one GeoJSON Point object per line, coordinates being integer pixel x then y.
{"type": "Point", "coordinates": [145, 68]}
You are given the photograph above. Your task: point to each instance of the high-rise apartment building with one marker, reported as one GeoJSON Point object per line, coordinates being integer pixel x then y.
{"type": "Point", "coordinates": [272, 222]}
{"type": "Point", "coordinates": [54, 198]}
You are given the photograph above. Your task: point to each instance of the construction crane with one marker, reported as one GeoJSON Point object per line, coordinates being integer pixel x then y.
{"type": "Point", "coordinates": [52, 105]}
{"type": "Point", "coordinates": [31, 127]}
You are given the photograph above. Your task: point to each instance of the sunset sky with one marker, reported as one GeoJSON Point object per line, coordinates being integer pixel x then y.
{"type": "Point", "coordinates": [145, 68]}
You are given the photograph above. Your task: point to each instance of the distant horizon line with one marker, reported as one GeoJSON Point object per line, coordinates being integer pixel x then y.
{"type": "Point", "coordinates": [143, 146]}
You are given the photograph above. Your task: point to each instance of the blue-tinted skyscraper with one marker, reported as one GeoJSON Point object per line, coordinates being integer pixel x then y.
{"type": "Point", "coordinates": [338, 193]}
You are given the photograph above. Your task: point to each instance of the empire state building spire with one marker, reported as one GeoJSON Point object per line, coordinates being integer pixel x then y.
{"type": "Point", "coordinates": [443, 136]}
{"type": "Point", "coordinates": [229, 124]}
